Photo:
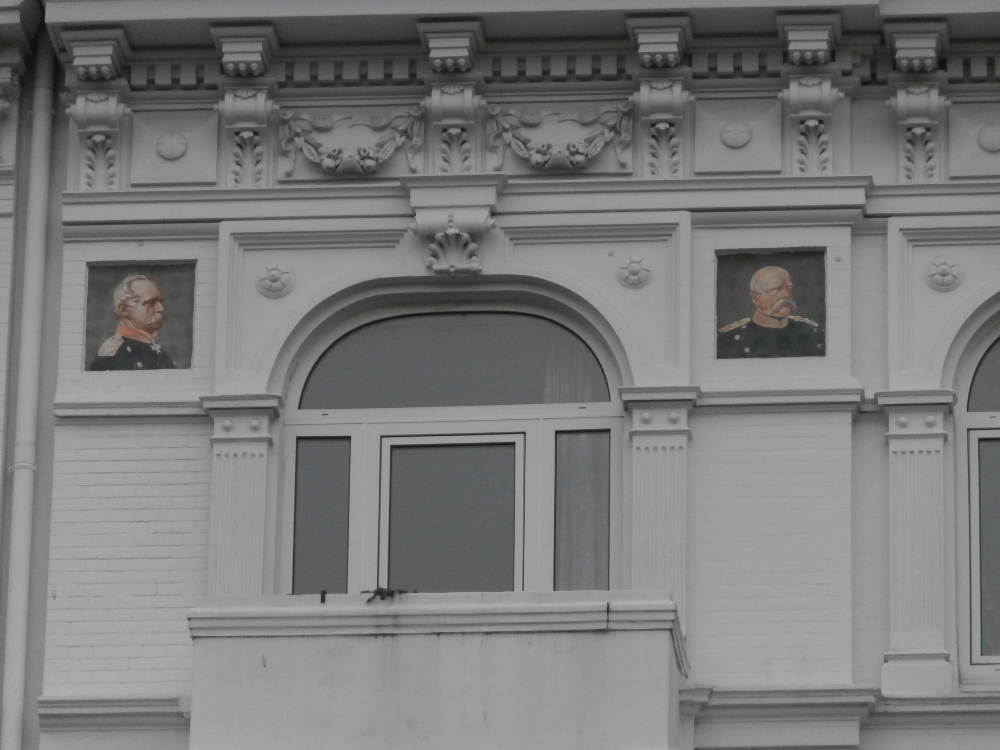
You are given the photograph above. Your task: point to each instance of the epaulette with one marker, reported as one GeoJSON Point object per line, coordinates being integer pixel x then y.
{"type": "Point", "coordinates": [110, 347]}
{"type": "Point", "coordinates": [737, 324]}
{"type": "Point", "coordinates": [804, 320]}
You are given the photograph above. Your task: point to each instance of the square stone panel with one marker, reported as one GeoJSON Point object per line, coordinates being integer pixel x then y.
{"type": "Point", "coordinates": [737, 135]}
{"type": "Point", "coordinates": [174, 148]}
{"type": "Point", "coordinates": [974, 140]}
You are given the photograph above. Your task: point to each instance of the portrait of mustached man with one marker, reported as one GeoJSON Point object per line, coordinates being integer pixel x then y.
{"type": "Point", "coordinates": [140, 311]}
{"type": "Point", "coordinates": [772, 330]}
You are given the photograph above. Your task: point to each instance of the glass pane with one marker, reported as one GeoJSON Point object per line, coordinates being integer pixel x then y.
{"type": "Point", "coordinates": [322, 501]}
{"type": "Point", "coordinates": [984, 395]}
{"type": "Point", "coordinates": [455, 359]}
{"type": "Point", "coordinates": [583, 482]}
{"type": "Point", "coordinates": [451, 517]}
{"type": "Point", "coordinates": [989, 545]}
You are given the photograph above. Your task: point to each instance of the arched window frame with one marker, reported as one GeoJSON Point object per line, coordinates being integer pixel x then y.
{"type": "Point", "coordinates": [977, 671]}
{"type": "Point", "coordinates": [368, 429]}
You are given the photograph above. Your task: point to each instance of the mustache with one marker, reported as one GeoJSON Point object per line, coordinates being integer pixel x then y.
{"type": "Point", "coordinates": [789, 303]}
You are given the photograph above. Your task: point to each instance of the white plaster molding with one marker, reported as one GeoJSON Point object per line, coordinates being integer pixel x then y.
{"type": "Point", "coordinates": [97, 54]}
{"type": "Point", "coordinates": [810, 38]}
{"type": "Point", "coordinates": [452, 45]}
{"type": "Point", "coordinates": [919, 108]}
{"type": "Point", "coordinates": [917, 45]}
{"type": "Point", "coordinates": [660, 41]}
{"type": "Point", "coordinates": [61, 714]}
{"type": "Point", "coordinates": [941, 710]}
{"type": "Point", "coordinates": [246, 50]}
{"type": "Point", "coordinates": [785, 399]}
{"type": "Point", "coordinates": [246, 114]}
{"type": "Point", "coordinates": [98, 411]}
{"type": "Point", "coordinates": [661, 104]}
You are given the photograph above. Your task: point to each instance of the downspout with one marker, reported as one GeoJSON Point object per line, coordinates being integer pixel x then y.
{"type": "Point", "coordinates": [26, 420]}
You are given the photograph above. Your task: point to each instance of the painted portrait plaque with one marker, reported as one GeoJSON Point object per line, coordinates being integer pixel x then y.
{"type": "Point", "coordinates": [771, 304]}
{"type": "Point", "coordinates": [140, 316]}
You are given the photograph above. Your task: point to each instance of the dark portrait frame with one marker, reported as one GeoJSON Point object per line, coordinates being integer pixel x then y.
{"type": "Point", "coordinates": [734, 269]}
{"type": "Point", "coordinates": [175, 281]}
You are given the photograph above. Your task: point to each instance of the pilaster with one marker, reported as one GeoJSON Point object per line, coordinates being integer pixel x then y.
{"type": "Point", "coordinates": [918, 662]}
{"type": "Point", "coordinates": [241, 443]}
{"type": "Point", "coordinates": [656, 521]}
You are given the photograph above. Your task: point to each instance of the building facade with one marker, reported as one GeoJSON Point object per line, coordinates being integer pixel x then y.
{"type": "Point", "coordinates": [523, 374]}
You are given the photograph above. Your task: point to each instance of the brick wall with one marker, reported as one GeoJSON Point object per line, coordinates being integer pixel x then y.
{"type": "Point", "coordinates": [128, 557]}
{"type": "Point", "coordinates": [769, 549]}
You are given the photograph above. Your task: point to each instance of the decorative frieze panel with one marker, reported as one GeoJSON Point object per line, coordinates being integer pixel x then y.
{"type": "Point", "coordinates": [974, 139]}
{"type": "Point", "coordinates": [542, 139]}
{"type": "Point", "coordinates": [174, 148]}
{"type": "Point", "coordinates": [352, 144]}
{"type": "Point", "coordinates": [737, 136]}
{"type": "Point", "coordinates": [98, 116]}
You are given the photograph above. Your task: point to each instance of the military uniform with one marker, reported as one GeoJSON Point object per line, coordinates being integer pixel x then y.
{"type": "Point", "coordinates": [745, 339]}
{"type": "Point", "coordinates": [124, 353]}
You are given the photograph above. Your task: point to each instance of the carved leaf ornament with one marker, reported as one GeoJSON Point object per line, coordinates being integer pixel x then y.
{"type": "Point", "coordinates": [399, 127]}
{"type": "Point", "coordinates": [612, 122]}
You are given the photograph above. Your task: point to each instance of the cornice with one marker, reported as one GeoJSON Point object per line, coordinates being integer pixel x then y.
{"type": "Point", "coordinates": [837, 702]}
{"type": "Point", "coordinates": [87, 713]}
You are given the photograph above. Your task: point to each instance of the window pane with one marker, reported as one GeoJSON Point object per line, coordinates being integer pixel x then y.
{"type": "Point", "coordinates": [451, 517]}
{"type": "Point", "coordinates": [583, 481]}
{"type": "Point", "coordinates": [322, 497]}
{"type": "Point", "coordinates": [984, 395]}
{"type": "Point", "coordinates": [989, 545]}
{"type": "Point", "coordinates": [455, 359]}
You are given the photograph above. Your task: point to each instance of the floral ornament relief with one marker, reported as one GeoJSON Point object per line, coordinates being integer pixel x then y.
{"type": "Point", "coordinates": [635, 273]}
{"type": "Point", "coordinates": [405, 126]}
{"type": "Point", "coordinates": [942, 275]}
{"type": "Point", "coordinates": [275, 280]}
{"type": "Point", "coordinates": [611, 122]}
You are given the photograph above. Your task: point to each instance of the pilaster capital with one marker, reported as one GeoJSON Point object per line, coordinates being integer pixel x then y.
{"type": "Point", "coordinates": [918, 103]}
{"type": "Point", "coordinates": [97, 55]}
{"type": "Point", "coordinates": [97, 112]}
{"type": "Point", "coordinates": [452, 45]}
{"type": "Point", "coordinates": [810, 39]}
{"type": "Point", "coordinates": [246, 107]}
{"type": "Point", "coordinates": [811, 95]}
{"type": "Point", "coordinates": [661, 41]}
{"type": "Point", "coordinates": [916, 414]}
{"type": "Point", "coordinates": [659, 410]}
{"type": "Point", "coordinates": [242, 418]}
{"type": "Point", "coordinates": [247, 51]}
{"type": "Point", "coordinates": [453, 103]}
{"type": "Point", "coordinates": [663, 99]}
{"type": "Point", "coordinates": [917, 45]}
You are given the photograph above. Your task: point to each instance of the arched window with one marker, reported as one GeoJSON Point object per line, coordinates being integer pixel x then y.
{"type": "Point", "coordinates": [459, 451]}
{"type": "Point", "coordinates": [982, 419]}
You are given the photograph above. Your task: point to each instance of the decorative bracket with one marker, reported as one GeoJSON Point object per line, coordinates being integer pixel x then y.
{"type": "Point", "coordinates": [917, 46]}
{"type": "Point", "coordinates": [246, 50]}
{"type": "Point", "coordinates": [662, 103]}
{"type": "Point", "coordinates": [919, 110]}
{"type": "Point", "coordinates": [661, 41]}
{"type": "Point", "coordinates": [809, 100]}
{"type": "Point", "coordinates": [98, 115]}
{"type": "Point", "coordinates": [452, 46]}
{"type": "Point", "coordinates": [453, 215]}
{"type": "Point", "coordinates": [809, 38]}
{"type": "Point", "coordinates": [452, 108]}
{"type": "Point", "coordinates": [97, 55]}
{"type": "Point", "coordinates": [245, 115]}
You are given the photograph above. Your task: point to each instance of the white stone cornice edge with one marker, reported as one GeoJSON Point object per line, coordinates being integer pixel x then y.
{"type": "Point", "coordinates": [784, 399]}
{"type": "Point", "coordinates": [848, 702]}
{"type": "Point", "coordinates": [103, 410]}
{"type": "Point", "coordinates": [416, 614]}
{"type": "Point", "coordinates": [982, 709]}
{"type": "Point", "coordinates": [69, 714]}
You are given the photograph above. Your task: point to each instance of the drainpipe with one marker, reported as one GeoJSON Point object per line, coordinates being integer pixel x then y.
{"type": "Point", "coordinates": [26, 420]}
